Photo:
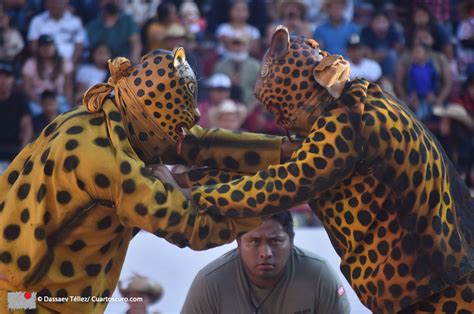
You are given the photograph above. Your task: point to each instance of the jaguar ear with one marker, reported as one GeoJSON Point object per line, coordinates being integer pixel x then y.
{"type": "Point", "coordinates": [179, 57]}
{"type": "Point", "coordinates": [280, 42]}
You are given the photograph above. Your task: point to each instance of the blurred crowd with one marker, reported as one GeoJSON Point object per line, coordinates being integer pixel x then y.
{"type": "Point", "coordinates": [422, 51]}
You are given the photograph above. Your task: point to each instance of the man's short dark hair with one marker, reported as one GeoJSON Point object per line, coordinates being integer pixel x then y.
{"type": "Point", "coordinates": [47, 94]}
{"type": "Point", "coordinates": [286, 221]}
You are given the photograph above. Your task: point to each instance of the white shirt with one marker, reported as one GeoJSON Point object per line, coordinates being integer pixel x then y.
{"type": "Point", "coordinates": [367, 68]}
{"type": "Point", "coordinates": [67, 31]}
{"type": "Point", "coordinates": [89, 75]}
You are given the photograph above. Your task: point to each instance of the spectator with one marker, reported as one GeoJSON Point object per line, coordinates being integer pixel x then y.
{"type": "Point", "coordinates": [94, 72]}
{"type": "Point", "coordinates": [238, 27]}
{"type": "Point", "coordinates": [422, 80]}
{"type": "Point", "coordinates": [11, 41]}
{"type": "Point", "coordinates": [16, 128]}
{"type": "Point", "coordinates": [218, 90]}
{"type": "Point", "coordinates": [318, 15]}
{"type": "Point", "coordinates": [456, 134]}
{"type": "Point", "coordinates": [443, 79]}
{"type": "Point", "coordinates": [191, 19]}
{"type": "Point", "coordinates": [65, 28]}
{"type": "Point", "coordinates": [292, 14]}
{"type": "Point", "coordinates": [384, 42]}
{"type": "Point", "coordinates": [465, 38]}
{"type": "Point", "coordinates": [153, 30]}
{"type": "Point", "coordinates": [47, 70]}
{"type": "Point", "coordinates": [117, 29]}
{"type": "Point", "coordinates": [335, 32]}
{"type": "Point", "coordinates": [242, 68]}
{"type": "Point", "coordinates": [50, 110]}
{"type": "Point", "coordinates": [421, 18]}
{"type": "Point", "coordinates": [466, 96]}
{"type": "Point", "coordinates": [220, 9]}
{"type": "Point", "coordinates": [140, 10]}
{"type": "Point", "coordinates": [267, 274]}
{"type": "Point", "coordinates": [87, 10]}
{"type": "Point", "coordinates": [227, 115]}
{"type": "Point", "coordinates": [361, 66]}
{"type": "Point", "coordinates": [21, 12]}
{"type": "Point", "coordinates": [141, 287]}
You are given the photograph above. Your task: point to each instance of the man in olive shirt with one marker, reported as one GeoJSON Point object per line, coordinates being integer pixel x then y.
{"type": "Point", "coordinates": [267, 274]}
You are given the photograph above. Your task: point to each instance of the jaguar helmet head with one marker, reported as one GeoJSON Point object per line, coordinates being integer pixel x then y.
{"type": "Point", "coordinates": [296, 76]}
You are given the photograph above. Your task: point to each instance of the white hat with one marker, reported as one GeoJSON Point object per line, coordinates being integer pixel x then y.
{"type": "Point", "coordinates": [142, 284]}
{"type": "Point", "coordinates": [227, 106]}
{"type": "Point", "coordinates": [219, 80]}
{"type": "Point", "coordinates": [456, 112]}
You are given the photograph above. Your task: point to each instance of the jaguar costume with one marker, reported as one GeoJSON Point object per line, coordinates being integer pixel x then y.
{"type": "Point", "coordinates": [395, 209]}
{"type": "Point", "coordinates": [70, 201]}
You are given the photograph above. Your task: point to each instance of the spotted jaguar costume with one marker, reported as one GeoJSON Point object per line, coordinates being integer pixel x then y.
{"type": "Point", "coordinates": [395, 209]}
{"type": "Point", "coordinates": [70, 201]}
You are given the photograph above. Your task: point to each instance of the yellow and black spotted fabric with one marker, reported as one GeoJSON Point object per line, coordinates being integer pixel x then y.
{"type": "Point", "coordinates": [71, 200]}
{"type": "Point", "coordinates": [396, 211]}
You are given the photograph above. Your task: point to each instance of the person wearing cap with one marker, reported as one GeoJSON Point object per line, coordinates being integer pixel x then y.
{"type": "Point", "coordinates": [395, 209]}
{"type": "Point", "coordinates": [360, 65]}
{"type": "Point", "coordinates": [218, 89]}
{"type": "Point", "coordinates": [227, 115]}
{"type": "Point", "coordinates": [267, 273]}
{"type": "Point", "coordinates": [16, 127]}
{"type": "Point", "coordinates": [71, 200]}
{"type": "Point", "coordinates": [66, 29]}
{"type": "Point", "coordinates": [141, 287]}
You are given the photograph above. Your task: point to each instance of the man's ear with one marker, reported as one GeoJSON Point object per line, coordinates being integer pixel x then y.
{"type": "Point", "coordinates": [280, 42]}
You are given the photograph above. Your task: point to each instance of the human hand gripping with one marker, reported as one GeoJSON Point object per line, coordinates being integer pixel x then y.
{"type": "Point", "coordinates": [164, 173]}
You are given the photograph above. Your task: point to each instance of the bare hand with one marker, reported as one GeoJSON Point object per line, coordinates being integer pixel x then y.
{"type": "Point", "coordinates": [163, 173]}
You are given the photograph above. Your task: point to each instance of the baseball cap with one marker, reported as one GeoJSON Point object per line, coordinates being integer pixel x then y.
{"type": "Point", "coordinates": [219, 80]}
{"type": "Point", "coordinates": [6, 67]}
{"type": "Point", "coordinates": [354, 41]}
{"type": "Point", "coordinates": [45, 39]}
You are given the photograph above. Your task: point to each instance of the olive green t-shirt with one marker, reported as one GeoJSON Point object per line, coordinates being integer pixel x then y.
{"type": "Point", "coordinates": [308, 285]}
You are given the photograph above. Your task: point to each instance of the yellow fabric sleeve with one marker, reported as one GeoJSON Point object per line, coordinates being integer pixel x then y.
{"type": "Point", "coordinates": [314, 169]}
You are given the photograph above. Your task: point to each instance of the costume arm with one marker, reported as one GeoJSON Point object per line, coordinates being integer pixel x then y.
{"type": "Point", "coordinates": [207, 176]}
{"type": "Point", "coordinates": [146, 202]}
{"type": "Point", "coordinates": [223, 149]}
{"type": "Point", "coordinates": [202, 297]}
{"type": "Point", "coordinates": [326, 157]}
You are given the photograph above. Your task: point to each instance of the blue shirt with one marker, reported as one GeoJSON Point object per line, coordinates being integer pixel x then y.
{"type": "Point", "coordinates": [334, 38]}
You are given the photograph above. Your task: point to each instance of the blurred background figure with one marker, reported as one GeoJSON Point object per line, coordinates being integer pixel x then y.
{"type": "Point", "coordinates": [94, 71]}
{"type": "Point", "coordinates": [384, 42]}
{"type": "Point", "coordinates": [140, 287]}
{"type": "Point", "coordinates": [50, 110]}
{"type": "Point", "coordinates": [47, 70]}
{"type": "Point", "coordinates": [65, 28]}
{"type": "Point", "coordinates": [293, 15]}
{"type": "Point", "coordinates": [333, 34]}
{"type": "Point", "coordinates": [241, 67]}
{"type": "Point", "coordinates": [153, 30]}
{"type": "Point", "coordinates": [191, 19]}
{"type": "Point", "coordinates": [140, 10]}
{"type": "Point", "coordinates": [11, 40]}
{"type": "Point", "coordinates": [360, 65]}
{"type": "Point", "coordinates": [456, 134]}
{"type": "Point", "coordinates": [238, 27]}
{"type": "Point", "coordinates": [16, 128]}
{"type": "Point", "coordinates": [217, 90]}
{"type": "Point", "coordinates": [227, 115]}
{"type": "Point", "coordinates": [117, 29]}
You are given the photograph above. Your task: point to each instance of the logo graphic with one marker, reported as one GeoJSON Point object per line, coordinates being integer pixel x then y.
{"type": "Point", "coordinates": [21, 300]}
{"type": "Point", "coordinates": [340, 291]}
